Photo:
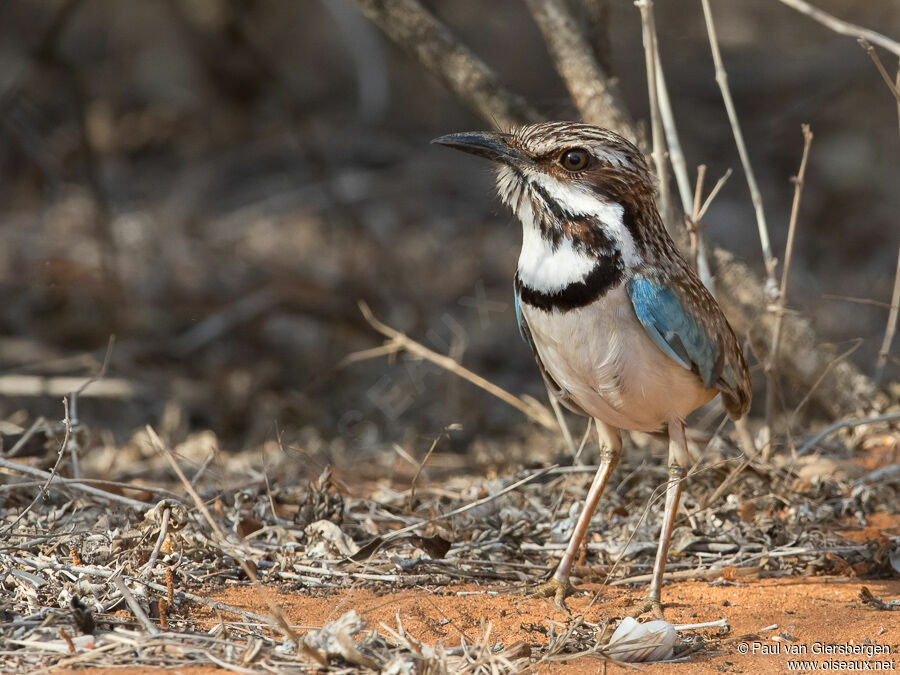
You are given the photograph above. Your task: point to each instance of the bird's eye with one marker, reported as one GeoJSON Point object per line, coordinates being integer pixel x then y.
{"type": "Point", "coordinates": [574, 159]}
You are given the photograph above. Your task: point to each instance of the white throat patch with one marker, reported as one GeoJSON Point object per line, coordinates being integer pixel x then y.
{"type": "Point", "coordinates": [543, 267]}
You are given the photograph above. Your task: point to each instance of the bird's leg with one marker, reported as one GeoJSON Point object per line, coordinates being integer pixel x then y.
{"type": "Point", "coordinates": [678, 461]}
{"type": "Point", "coordinates": [559, 586]}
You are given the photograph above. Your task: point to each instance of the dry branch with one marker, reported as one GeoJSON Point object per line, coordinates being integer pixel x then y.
{"type": "Point", "coordinates": [430, 42]}
{"type": "Point", "coordinates": [399, 342]}
{"type": "Point", "coordinates": [592, 91]}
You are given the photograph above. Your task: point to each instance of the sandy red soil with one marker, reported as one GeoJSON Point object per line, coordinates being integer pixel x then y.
{"type": "Point", "coordinates": [807, 611]}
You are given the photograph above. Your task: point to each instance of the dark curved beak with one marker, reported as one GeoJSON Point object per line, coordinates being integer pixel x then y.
{"type": "Point", "coordinates": [491, 145]}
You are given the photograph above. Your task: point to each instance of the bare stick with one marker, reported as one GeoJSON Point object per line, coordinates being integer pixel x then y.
{"type": "Point", "coordinates": [163, 531]}
{"type": "Point", "coordinates": [533, 409]}
{"type": "Point", "coordinates": [870, 50]}
{"type": "Point", "coordinates": [755, 196]}
{"type": "Point", "coordinates": [560, 420]}
{"type": "Point", "coordinates": [27, 470]}
{"type": "Point", "coordinates": [37, 385]}
{"type": "Point", "coordinates": [844, 424]}
{"type": "Point", "coordinates": [843, 27]}
{"type": "Point", "coordinates": [891, 327]}
{"type": "Point", "coordinates": [18, 445]}
{"type": "Point", "coordinates": [648, 33]}
{"type": "Point", "coordinates": [712, 195]}
{"type": "Point", "coordinates": [417, 31]}
{"type": "Point", "coordinates": [782, 293]}
{"type": "Point", "coordinates": [134, 606]}
{"type": "Point", "coordinates": [593, 93]}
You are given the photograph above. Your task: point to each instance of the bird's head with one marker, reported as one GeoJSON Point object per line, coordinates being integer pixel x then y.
{"type": "Point", "coordinates": [555, 172]}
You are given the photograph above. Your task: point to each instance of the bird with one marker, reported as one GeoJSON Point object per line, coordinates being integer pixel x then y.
{"type": "Point", "coordinates": [622, 328]}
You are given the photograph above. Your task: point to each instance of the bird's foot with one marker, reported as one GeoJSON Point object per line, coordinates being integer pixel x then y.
{"type": "Point", "coordinates": [552, 588]}
{"type": "Point", "coordinates": [649, 604]}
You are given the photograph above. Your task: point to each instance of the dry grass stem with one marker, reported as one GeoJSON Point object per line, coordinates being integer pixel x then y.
{"type": "Point", "coordinates": [399, 342]}
{"type": "Point", "coordinates": [755, 196]}
{"type": "Point", "coordinates": [561, 420]}
{"type": "Point", "coordinates": [713, 194]}
{"type": "Point", "coordinates": [468, 507]}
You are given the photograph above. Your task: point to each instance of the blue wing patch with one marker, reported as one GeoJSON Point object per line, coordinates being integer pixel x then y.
{"type": "Point", "coordinates": [519, 321]}
{"type": "Point", "coordinates": [673, 329]}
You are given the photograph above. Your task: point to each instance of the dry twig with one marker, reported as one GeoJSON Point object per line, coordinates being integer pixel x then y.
{"type": "Point", "coordinates": [399, 342]}
{"type": "Point", "coordinates": [843, 27]}
{"type": "Point", "coordinates": [755, 196]}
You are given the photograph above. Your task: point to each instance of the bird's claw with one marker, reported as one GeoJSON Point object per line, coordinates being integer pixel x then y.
{"type": "Point", "coordinates": [649, 604]}
{"type": "Point", "coordinates": [552, 588]}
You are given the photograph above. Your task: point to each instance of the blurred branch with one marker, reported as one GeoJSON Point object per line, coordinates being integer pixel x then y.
{"type": "Point", "coordinates": [594, 94]}
{"type": "Point", "coordinates": [597, 27]}
{"type": "Point", "coordinates": [843, 27]}
{"type": "Point", "coordinates": [361, 41]}
{"type": "Point", "coordinates": [431, 43]}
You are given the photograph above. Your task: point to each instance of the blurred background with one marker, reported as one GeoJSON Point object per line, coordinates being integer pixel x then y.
{"type": "Point", "coordinates": [219, 182]}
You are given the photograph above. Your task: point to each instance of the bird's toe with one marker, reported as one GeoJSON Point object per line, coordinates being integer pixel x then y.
{"type": "Point", "coordinates": [649, 604]}
{"type": "Point", "coordinates": [554, 588]}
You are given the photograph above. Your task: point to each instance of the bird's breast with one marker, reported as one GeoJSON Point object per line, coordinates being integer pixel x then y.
{"type": "Point", "coordinates": [603, 358]}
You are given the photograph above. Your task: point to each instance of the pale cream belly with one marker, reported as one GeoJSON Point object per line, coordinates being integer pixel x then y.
{"type": "Point", "coordinates": [602, 356]}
